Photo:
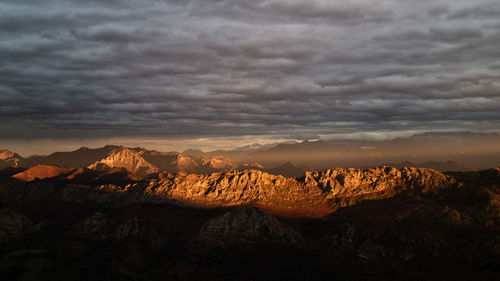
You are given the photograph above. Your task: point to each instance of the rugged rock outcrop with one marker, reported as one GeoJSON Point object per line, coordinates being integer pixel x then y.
{"type": "Point", "coordinates": [9, 159]}
{"type": "Point", "coordinates": [350, 240]}
{"type": "Point", "coordinates": [171, 162]}
{"type": "Point", "coordinates": [5, 154]}
{"type": "Point", "coordinates": [134, 228]}
{"type": "Point", "coordinates": [13, 225]}
{"type": "Point", "coordinates": [101, 227]}
{"type": "Point", "coordinates": [125, 158]}
{"type": "Point", "coordinates": [247, 225]}
{"type": "Point", "coordinates": [197, 164]}
{"type": "Point", "coordinates": [139, 229]}
{"type": "Point", "coordinates": [317, 193]}
{"type": "Point", "coordinates": [216, 164]}
{"type": "Point", "coordinates": [320, 191]}
{"type": "Point", "coordinates": [98, 226]}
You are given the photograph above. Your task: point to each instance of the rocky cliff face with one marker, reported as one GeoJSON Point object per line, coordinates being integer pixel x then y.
{"type": "Point", "coordinates": [125, 158]}
{"type": "Point", "coordinates": [249, 226]}
{"type": "Point", "coordinates": [171, 162]}
{"type": "Point", "coordinates": [348, 239]}
{"type": "Point", "coordinates": [9, 159]}
{"type": "Point", "coordinates": [315, 194]}
{"type": "Point", "coordinates": [98, 226]}
{"type": "Point", "coordinates": [329, 189]}
{"type": "Point", "coordinates": [13, 225]}
{"type": "Point", "coordinates": [216, 164]}
{"type": "Point", "coordinates": [101, 227]}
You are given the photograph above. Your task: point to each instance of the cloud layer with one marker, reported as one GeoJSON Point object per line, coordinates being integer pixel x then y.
{"type": "Point", "coordinates": [215, 68]}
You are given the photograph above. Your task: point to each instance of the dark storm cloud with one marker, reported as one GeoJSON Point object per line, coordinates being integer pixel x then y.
{"type": "Point", "coordinates": [231, 68]}
{"type": "Point", "coordinates": [295, 11]}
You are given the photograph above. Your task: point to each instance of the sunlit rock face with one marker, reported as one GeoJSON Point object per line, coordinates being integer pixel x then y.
{"type": "Point", "coordinates": [42, 172]}
{"type": "Point", "coordinates": [247, 225]}
{"type": "Point", "coordinates": [125, 158]}
{"type": "Point", "coordinates": [314, 194]}
{"type": "Point", "coordinates": [5, 154]}
{"type": "Point", "coordinates": [329, 189]}
{"type": "Point", "coordinates": [9, 159]}
{"type": "Point", "coordinates": [216, 164]}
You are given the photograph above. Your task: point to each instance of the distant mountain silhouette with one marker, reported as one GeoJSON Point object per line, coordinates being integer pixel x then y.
{"type": "Point", "coordinates": [289, 170]}
{"type": "Point", "coordinates": [436, 165]}
{"type": "Point", "coordinates": [300, 147]}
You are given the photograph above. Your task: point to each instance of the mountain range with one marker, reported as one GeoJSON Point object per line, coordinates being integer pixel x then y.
{"type": "Point", "coordinates": [274, 159]}
{"type": "Point", "coordinates": [137, 160]}
{"type": "Point", "coordinates": [475, 150]}
{"type": "Point", "coordinates": [118, 213]}
{"type": "Point", "coordinates": [122, 163]}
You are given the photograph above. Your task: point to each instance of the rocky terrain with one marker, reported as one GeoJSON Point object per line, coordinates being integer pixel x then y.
{"type": "Point", "coordinates": [246, 225]}
{"type": "Point", "coordinates": [9, 159]}
{"type": "Point", "coordinates": [314, 194]}
{"type": "Point", "coordinates": [122, 223]}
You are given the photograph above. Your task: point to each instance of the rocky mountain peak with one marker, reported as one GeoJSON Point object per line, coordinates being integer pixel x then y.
{"type": "Point", "coordinates": [83, 148]}
{"type": "Point", "coordinates": [6, 154]}
{"type": "Point", "coordinates": [122, 157]}
{"type": "Point", "coordinates": [288, 169]}
{"type": "Point", "coordinates": [98, 226]}
{"type": "Point", "coordinates": [42, 172]}
{"type": "Point", "coordinates": [247, 225]}
{"type": "Point", "coordinates": [218, 162]}
{"type": "Point", "coordinates": [9, 159]}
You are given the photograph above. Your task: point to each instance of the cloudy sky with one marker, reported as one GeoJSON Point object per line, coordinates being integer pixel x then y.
{"type": "Point", "coordinates": [203, 71]}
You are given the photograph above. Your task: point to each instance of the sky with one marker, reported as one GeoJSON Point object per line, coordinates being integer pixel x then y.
{"type": "Point", "coordinates": [209, 73]}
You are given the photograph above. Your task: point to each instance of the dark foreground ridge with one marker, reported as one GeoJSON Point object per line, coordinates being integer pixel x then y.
{"type": "Point", "coordinates": [344, 224]}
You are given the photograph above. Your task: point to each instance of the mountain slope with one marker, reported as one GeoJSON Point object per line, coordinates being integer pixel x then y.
{"type": "Point", "coordinates": [216, 164]}
{"type": "Point", "coordinates": [289, 170]}
{"type": "Point", "coordinates": [314, 194]}
{"type": "Point", "coordinates": [42, 172]}
{"type": "Point", "coordinates": [9, 159]}
{"type": "Point", "coordinates": [248, 226]}
{"type": "Point", "coordinates": [125, 158]}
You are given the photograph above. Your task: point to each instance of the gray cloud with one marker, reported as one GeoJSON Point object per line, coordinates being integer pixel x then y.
{"type": "Point", "coordinates": [233, 68]}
